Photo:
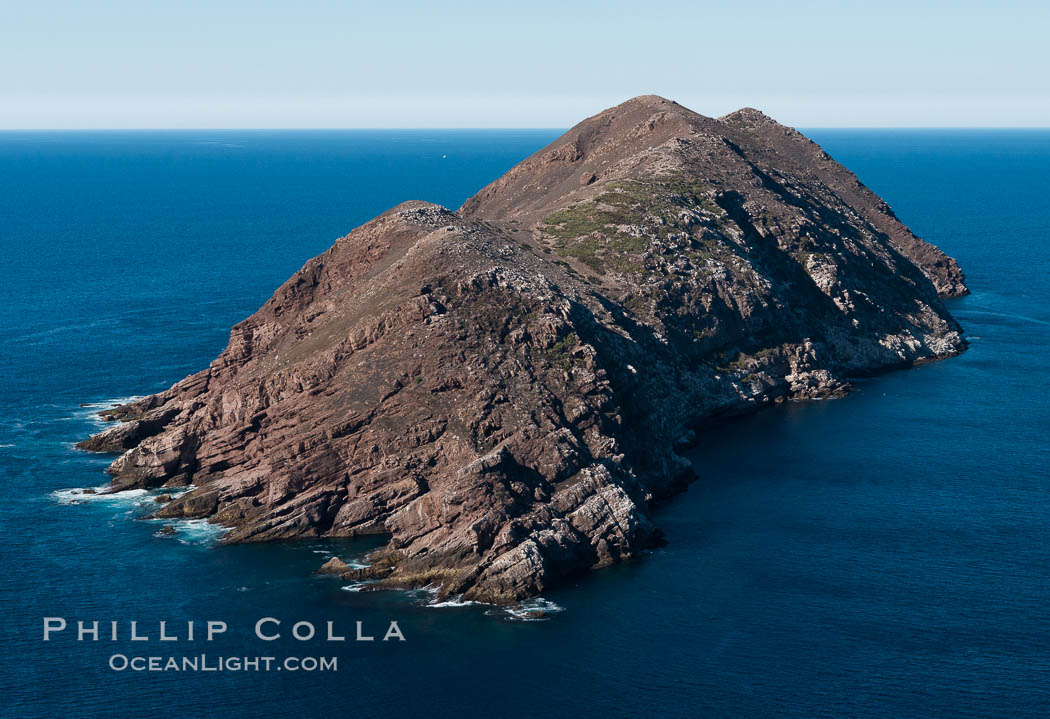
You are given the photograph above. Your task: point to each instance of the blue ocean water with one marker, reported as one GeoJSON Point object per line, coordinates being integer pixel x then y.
{"type": "Point", "coordinates": [887, 554]}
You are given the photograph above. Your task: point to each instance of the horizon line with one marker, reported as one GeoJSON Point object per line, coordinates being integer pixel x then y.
{"type": "Point", "coordinates": [482, 129]}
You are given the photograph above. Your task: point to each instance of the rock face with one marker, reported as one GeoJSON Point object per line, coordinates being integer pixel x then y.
{"type": "Point", "coordinates": [502, 390]}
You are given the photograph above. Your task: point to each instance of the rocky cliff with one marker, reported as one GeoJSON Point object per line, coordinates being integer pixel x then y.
{"type": "Point", "coordinates": [503, 390]}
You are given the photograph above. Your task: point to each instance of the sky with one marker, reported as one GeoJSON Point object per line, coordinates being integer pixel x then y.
{"type": "Point", "coordinates": [114, 64]}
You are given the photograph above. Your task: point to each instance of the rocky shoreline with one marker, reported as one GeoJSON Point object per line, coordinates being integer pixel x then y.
{"type": "Point", "coordinates": [504, 391]}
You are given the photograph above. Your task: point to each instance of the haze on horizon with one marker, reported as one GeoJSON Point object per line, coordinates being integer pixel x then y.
{"type": "Point", "coordinates": [119, 64]}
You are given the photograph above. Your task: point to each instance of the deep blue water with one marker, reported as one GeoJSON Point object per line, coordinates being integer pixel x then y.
{"type": "Point", "coordinates": [887, 554]}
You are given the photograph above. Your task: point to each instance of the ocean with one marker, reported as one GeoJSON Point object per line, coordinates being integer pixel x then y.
{"type": "Point", "coordinates": [885, 554]}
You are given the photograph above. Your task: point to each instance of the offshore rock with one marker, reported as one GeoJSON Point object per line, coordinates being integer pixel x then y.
{"type": "Point", "coordinates": [502, 391]}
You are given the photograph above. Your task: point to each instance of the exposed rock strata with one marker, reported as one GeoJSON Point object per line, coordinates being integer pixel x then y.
{"type": "Point", "coordinates": [502, 390]}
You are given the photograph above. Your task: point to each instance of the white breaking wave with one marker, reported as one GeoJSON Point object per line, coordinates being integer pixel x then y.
{"type": "Point", "coordinates": [192, 531]}
{"type": "Point", "coordinates": [78, 496]}
{"type": "Point", "coordinates": [187, 531]}
{"type": "Point", "coordinates": [456, 602]}
{"type": "Point", "coordinates": [529, 610]}
{"type": "Point", "coordinates": [90, 410]}
{"type": "Point", "coordinates": [533, 610]}
{"type": "Point", "coordinates": [108, 403]}
{"type": "Point", "coordinates": [197, 531]}
{"type": "Point", "coordinates": [358, 586]}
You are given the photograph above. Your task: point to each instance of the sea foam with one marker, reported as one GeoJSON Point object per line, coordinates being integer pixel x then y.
{"type": "Point", "coordinates": [197, 531]}
{"type": "Point", "coordinates": [89, 410]}
{"type": "Point", "coordinates": [537, 609]}
{"type": "Point", "coordinates": [77, 495]}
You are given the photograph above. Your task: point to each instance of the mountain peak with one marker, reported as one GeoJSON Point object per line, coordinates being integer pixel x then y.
{"type": "Point", "coordinates": [746, 113]}
{"type": "Point", "coordinates": [748, 117]}
{"type": "Point", "coordinates": [647, 100]}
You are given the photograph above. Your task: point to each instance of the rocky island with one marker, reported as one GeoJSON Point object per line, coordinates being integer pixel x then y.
{"type": "Point", "coordinates": [504, 390]}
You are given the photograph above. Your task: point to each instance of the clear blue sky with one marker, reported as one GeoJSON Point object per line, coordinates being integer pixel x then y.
{"type": "Point", "coordinates": [323, 63]}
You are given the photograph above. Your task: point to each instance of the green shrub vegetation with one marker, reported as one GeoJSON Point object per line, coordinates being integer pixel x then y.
{"type": "Point", "coordinates": [560, 353]}
{"type": "Point", "coordinates": [613, 230]}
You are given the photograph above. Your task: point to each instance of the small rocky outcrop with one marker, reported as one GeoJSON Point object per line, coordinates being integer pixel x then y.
{"type": "Point", "coordinates": [128, 433]}
{"type": "Point", "coordinates": [335, 566]}
{"type": "Point", "coordinates": [503, 391]}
